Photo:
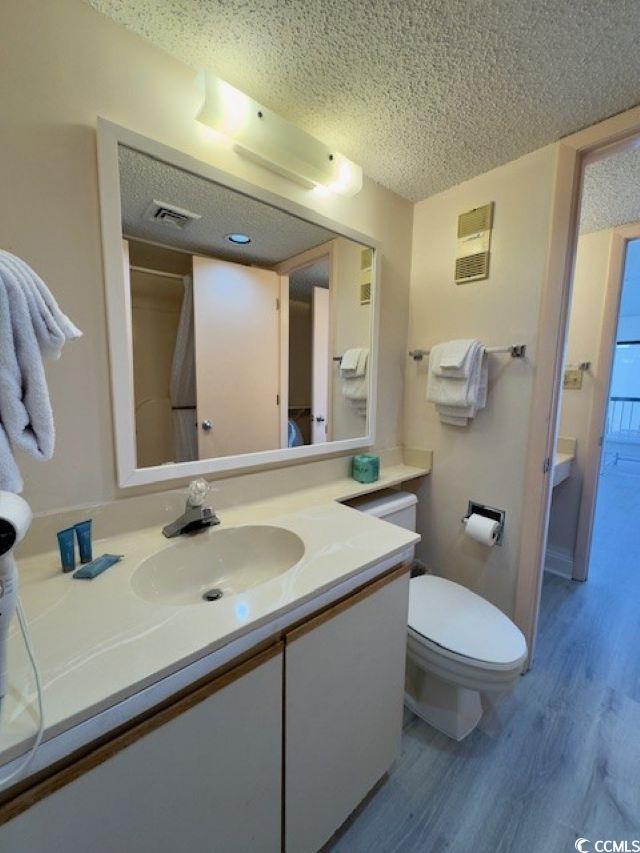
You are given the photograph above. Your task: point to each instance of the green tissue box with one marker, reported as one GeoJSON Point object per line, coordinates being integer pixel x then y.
{"type": "Point", "coordinates": [365, 468]}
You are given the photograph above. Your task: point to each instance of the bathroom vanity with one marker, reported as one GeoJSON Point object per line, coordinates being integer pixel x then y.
{"type": "Point", "coordinates": [240, 689]}
{"type": "Point", "coordinates": [255, 722]}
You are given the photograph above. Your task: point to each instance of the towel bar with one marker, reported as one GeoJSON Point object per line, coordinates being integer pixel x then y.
{"type": "Point", "coordinates": [514, 350]}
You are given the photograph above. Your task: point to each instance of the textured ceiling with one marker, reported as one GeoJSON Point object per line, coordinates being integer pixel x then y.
{"type": "Point", "coordinates": [275, 235]}
{"type": "Point", "coordinates": [302, 281]}
{"type": "Point", "coordinates": [611, 191]}
{"type": "Point", "coordinates": [422, 93]}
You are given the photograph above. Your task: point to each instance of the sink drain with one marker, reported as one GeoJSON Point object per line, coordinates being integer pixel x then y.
{"type": "Point", "coordinates": [212, 594]}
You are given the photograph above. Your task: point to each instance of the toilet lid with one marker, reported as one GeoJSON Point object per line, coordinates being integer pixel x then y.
{"type": "Point", "coordinates": [457, 619]}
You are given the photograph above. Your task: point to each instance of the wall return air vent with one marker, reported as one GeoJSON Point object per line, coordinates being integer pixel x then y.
{"type": "Point", "coordinates": [170, 215]}
{"type": "Point", "coordinates": [474, 243]}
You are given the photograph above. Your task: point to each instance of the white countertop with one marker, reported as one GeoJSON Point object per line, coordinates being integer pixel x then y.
{"type": "Point", "coordinates": [98, 643]}
{"type": "Point", "coordinates": [562, 466]}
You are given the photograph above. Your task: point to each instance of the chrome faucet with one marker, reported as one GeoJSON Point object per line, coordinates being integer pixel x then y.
{"type": "Point", "coordinates": [196, 515]}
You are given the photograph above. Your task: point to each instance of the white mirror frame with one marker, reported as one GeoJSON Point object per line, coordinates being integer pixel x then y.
{"type": "Point", "coordinates": [120, 337]}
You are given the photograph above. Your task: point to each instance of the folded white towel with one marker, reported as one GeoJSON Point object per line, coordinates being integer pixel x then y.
{"type": "Point", "coordinates": [455, 359]}
{"type": "Point", "coordinates": [453, 420]}
{"type": "Point", "coordinates": [363, 360]}
{"type": "Point", "coordinates": [349, 361]}
{"type": "Point", "coordinates": [458, 399]}
{"type": "Point", "coordinates": [471, 410]}
{"type": "Point", "coordinates": [354, 363]}
{"type": "Point", "coordinates": [356, 388]}
{"type": "Point", "coordinates": [32, 326]}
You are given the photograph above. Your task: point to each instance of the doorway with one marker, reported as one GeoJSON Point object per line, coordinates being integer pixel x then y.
{"type": "Point", "coordinates": [309, 351]}
{"type": "Point", "coordinates": [592, 521]}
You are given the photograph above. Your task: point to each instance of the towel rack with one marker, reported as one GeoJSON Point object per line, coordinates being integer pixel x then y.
{"type": "Point", "coordinates": [514, 350]}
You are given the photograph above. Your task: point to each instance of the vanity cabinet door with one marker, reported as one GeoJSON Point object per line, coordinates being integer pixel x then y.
{"type": "Point", "coordinates": [344, 678]}
{"type": "Point", "coordinates": [207, 780]}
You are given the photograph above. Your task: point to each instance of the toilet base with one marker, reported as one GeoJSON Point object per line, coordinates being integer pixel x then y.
{"type": "Point", "coordinates": [455, 711]}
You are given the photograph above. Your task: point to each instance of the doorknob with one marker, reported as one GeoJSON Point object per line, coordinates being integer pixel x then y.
{"type": "Point", "coordinates": [207, 426]}
{"type": "Point", "coordinates": [319, 419]}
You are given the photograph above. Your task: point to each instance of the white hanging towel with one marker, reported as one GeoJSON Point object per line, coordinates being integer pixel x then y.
{"type": "Point", "coordinates": [354, 363]}
{"type": "Point", "coordinates": [458, 395]}
{"type": "Point", "coordinates": [32, 327]}
{"type": "Point", "coordinates": [456, 358]}
{"type": "Point", "coordinates": [355, 383]}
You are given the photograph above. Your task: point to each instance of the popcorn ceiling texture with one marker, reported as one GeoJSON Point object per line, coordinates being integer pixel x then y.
{"type": "Point", "coordinates": [611, 192]}
{"type": "Point", "coordinates": [422, 93]}
{"type": "Point", "coordinates": [275, 235]}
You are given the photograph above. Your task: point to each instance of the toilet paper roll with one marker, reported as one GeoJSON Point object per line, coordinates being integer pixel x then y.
{"type": "Point", "coordinates": [482, 529]}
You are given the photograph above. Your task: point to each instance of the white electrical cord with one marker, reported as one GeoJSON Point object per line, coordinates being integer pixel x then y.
{"type": "Point", "coordinates": [36, 672]}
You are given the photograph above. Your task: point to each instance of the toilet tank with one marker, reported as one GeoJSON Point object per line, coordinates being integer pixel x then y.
{"type": "Point", "coordinates": [395, 507]}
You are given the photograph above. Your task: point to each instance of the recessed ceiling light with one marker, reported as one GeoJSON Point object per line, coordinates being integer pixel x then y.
{"type": "Point", "coordinates": [239, 239]}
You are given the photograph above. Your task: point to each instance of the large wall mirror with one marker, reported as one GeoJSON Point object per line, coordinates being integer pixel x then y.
{"type": "Point", "coordinates": [242, 328]}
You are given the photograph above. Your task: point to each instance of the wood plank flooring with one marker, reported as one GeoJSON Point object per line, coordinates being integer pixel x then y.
{"type": "Point", "coordinates": [561, 758]}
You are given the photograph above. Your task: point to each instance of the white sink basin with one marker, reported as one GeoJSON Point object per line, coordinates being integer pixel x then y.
{"type": "Point", "coordinates": [231, 560]}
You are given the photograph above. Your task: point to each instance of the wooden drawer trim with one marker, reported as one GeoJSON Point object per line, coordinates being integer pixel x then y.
{"type": "Point", "coordinates": [293, 634]}
{"type": "Point", "coordinates": [23, 800]}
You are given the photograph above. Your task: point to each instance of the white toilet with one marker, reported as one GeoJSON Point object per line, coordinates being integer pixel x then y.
{"type": "Point", "coordinates": [459, 648]}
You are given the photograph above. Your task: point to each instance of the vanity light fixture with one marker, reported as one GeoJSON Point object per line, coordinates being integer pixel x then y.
{"type": "Point", "coordinates": [239, 239]}
{"type": "Point", "coordinates": [266, 138]}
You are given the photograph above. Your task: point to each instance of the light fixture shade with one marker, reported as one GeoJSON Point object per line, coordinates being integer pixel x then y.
{"type": "Point", "coordinates": [275, 143]}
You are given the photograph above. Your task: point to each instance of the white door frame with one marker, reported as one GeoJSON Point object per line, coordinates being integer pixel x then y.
{"type": "Point", "coordinates": [320, 296]}
{"type": "Point", "coordinates": [620, 238]}
{"type": "Point", "coordinates": [571, 152]}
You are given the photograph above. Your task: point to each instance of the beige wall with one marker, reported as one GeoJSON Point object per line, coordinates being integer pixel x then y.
{"type": "Point", "coordinates": [63, 65]}
{"type": "Point", "coordinates": [585, 322]}
{"type": "Point", "coordinates": [485, 461]}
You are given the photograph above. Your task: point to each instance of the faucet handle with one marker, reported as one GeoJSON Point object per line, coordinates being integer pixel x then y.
{"type": "Point", "coordinates": [198, 491]}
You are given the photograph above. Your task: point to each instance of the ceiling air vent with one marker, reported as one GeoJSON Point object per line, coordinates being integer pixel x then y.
{"type": "Point", "coordinates": [474, 242]}
{"type": "Point", "coordinates": [170, 215]}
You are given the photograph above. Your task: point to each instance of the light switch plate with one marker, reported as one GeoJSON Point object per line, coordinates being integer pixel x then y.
{"type": "Point", "coordinates": [572, 379]}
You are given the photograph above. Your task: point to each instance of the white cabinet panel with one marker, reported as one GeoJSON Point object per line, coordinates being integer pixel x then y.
{"type": "Point", "coordinates": [205, 781]}
{"type": "Point", "coordinates": [344, 699]}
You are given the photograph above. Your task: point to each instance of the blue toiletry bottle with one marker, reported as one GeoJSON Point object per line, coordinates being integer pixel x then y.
{"type": "Point", "coordinates": [83, 532]}
{"type": "Point", "coordinates": [67, 545]}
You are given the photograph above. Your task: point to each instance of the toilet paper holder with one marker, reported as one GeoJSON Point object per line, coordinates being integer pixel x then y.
{"type": "Point", "coordinates": [498, 515]}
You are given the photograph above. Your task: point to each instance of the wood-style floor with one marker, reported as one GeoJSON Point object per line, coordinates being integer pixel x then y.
{"type": "Point", "coordinates": [564, 761]}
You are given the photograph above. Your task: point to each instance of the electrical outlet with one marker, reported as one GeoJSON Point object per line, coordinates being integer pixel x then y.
{"type": "Point", "coordinates": [572, 379]}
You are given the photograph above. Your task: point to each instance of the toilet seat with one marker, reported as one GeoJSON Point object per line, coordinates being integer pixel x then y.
{"type": "Point", "coordinates": [453, 622]}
